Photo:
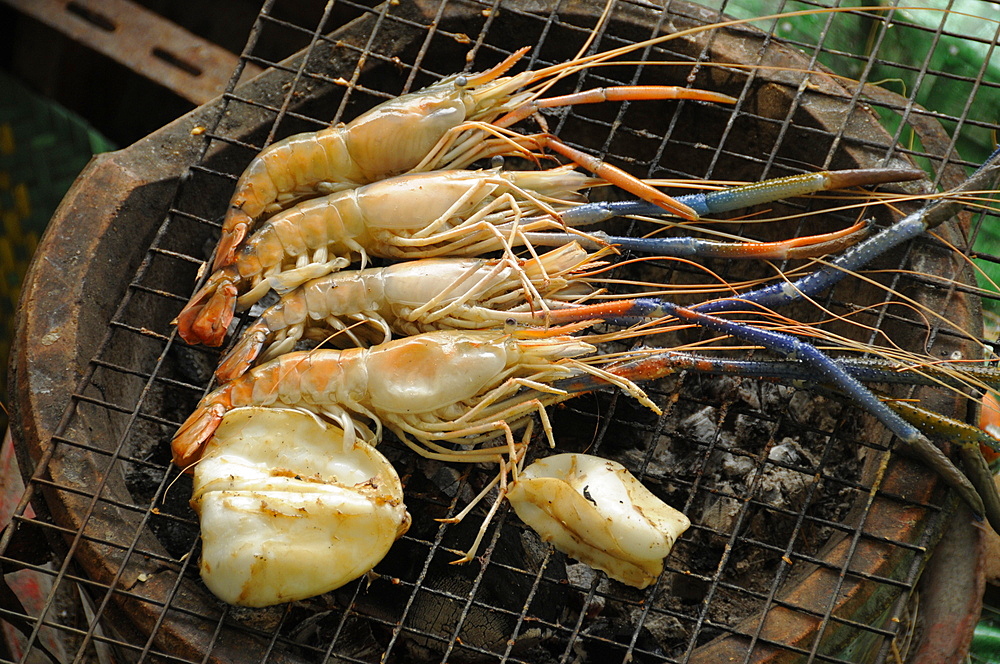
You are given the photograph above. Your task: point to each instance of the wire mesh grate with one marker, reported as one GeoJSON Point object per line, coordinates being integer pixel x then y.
{"type": "Point", "coordinates": [808, 538]}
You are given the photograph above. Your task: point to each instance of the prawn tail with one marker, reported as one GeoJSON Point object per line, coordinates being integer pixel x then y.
{"type": "Point", "coordinates": [197, 430]}
{"type": "Point", "coordinates": [244, 352]}
{"type": "Point", "coordinates": [206, 318]}
{"type": "Point", "coordinates": [235, 227]}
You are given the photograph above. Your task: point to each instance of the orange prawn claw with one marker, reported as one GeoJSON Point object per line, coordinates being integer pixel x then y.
{"type": "Point", "coordinates": [615, 93]}
{"type": "Point", "coordinates": [616, 176]}
{"type": "Point", "coordinates": [237, 227]}
{"type": "Point", "coordinates": [246, 350]}
{"type": "Point", "coordinates": [826, 243]}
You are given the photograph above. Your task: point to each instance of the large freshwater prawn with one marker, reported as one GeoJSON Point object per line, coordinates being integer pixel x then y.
{"type": "Point", "coordinates": [414, 297]}
{"type": "Point", "coordinates": [446, 125]}
{"type": "Point", "coordinates": [466, 387]}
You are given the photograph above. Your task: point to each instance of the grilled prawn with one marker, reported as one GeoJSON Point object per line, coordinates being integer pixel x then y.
{"type": "Point", "coordinates": [443, 126]}
{"type": "Point", "coordinates": [413, 297]}
{"type": "Point", "coordinates": [458, 386]}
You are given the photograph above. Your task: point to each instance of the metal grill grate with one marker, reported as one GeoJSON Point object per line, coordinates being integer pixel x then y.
{"type": "Point", "coordinates": [808, 540]}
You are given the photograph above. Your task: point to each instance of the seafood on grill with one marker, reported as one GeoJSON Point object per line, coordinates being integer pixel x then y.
{"type": "Point", "coordinates": [596, 511]}
{"type": "Point", "coordinates": [446, 125]}
{"type": "Point", "coordinates": [413, 297]}
{"type": "Point", "coordinates": [466, 387]}
{"type": "Point", "coordinates": [446, 402]}
{"type": "Point", "coordinates": [455, 213]}
{"type": "Point", "coordinates": [468, 213]}
{"type": "Point", "coordinates": [289, 509]}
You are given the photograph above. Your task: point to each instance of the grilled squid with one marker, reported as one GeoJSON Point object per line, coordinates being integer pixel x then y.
{"type": "Point", "coordinates": [288, 510]}
{"type": "Point", "coordinates": [594, 510]}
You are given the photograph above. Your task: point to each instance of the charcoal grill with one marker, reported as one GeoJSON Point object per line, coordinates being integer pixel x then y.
{"type": "Point", "coordinates": [818, 555]}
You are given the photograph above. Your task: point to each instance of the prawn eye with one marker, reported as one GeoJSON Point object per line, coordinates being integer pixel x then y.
{"type": "Point", "coordinates": [461, 82]}
{"type": "Point", "coordinates": [496, 161]}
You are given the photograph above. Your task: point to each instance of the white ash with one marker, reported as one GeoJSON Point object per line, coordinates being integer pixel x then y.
{"type": "Point", "coordinates": [791, 453]}
{"type": "Point", "coordinates": [660, 466]}
{"type": "Point", "coordinates": [785, 487]}
{"type": "Point", "coordinates": [752, 431]}
{"type": "Point", "coordinates": [583, 576]}
{"type": "Point", "coordinates": [667, 630]}
{"type": "Point", "coordinates": [720, 515]}
{"type": "Point", "coordinates": [736, 465]}
{"type": "Point", "coordinates": [762, 396]}
{"type": "Point", "coordinates": [701, 425]}
{"type": "Point", "coordinates": [816, 411]}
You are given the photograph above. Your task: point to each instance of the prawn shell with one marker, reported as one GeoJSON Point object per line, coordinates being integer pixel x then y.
{"type": "Point", "coordinates": [426, 373]}
{"type": "Point", "coordinates": [412, 201]}
{"type": "Point", "coordinates": [289, 510]}
{"type": "Point", "coordinates": [595, 511]}
{"type": "Point", "coordinates": [394, 136]}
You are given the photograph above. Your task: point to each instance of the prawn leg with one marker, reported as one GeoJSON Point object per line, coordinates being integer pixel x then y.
{"type": "Point", "coordinates": [726, 200]}
{"type": "Point", "coordinates": [693, 206]}
{"type": "Point", "coordinates": [511, 467]}
{"type": "Point", "coordinates": [969, 440]}
{"type": "Point", "coordinates": [662, 363]}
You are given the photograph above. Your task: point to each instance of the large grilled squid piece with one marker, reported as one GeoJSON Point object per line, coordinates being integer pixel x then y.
{"type": "Point", "coordinates": [289, 509]}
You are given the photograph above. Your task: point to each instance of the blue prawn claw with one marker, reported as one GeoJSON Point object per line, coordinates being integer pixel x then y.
{"type": "Point", "coordinates": [930, 216]}
{"type": "Point", "coordinates": [726, 200]}
{"type": "Point", "coordinates": [744, 196]}
{"type": "Point", "coordinates": [799, 247]}
{"type": "Point", "coordinates": [825, 369]}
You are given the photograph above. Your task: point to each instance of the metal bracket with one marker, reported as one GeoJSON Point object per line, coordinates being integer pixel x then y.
{"type": "Point", "coordinates": [143, 41]}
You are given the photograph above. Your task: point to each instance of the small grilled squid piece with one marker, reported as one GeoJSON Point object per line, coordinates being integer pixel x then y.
{"type": "Point", "coordinates": [596, 511]}
{"type": "Point", "coordinates": [289, 510]}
